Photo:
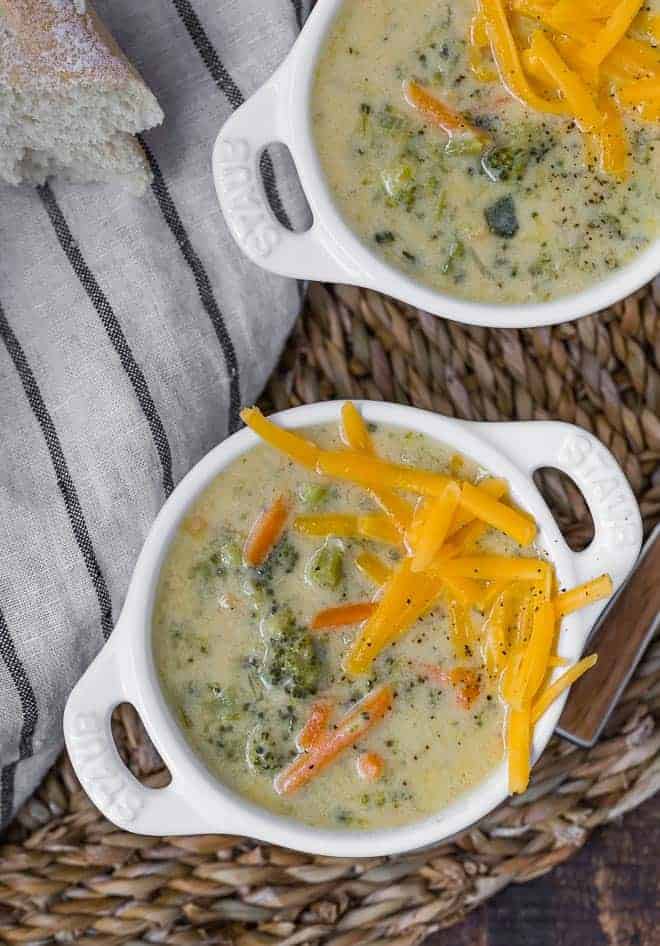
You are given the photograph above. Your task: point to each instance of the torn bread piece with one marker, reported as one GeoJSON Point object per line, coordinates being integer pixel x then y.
{"type": "Point", "coordinates": [70, 101]}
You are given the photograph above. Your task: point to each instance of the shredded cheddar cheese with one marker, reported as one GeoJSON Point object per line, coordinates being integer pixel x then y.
{"type": "Point", "coordinates": [588, 61]}
{"type": "Point", "coordinates": [502, 610]}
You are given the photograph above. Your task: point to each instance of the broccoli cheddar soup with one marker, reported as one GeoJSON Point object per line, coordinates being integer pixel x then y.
{"type": "Point", "coordinates": [353, 625]}
{"type": "Point", "coordinates": [501, 151]}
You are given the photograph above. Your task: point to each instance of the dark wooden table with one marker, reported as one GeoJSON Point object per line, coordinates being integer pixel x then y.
{"type": "Point", "coordinates": [607, 895]}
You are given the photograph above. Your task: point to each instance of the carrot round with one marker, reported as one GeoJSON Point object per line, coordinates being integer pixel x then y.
{"type": "Point", "coordinates": [265, 532]}
{"type": "Point", "coordinates": [370, 766]}
{"type": "Point", "coordinates": [349, 730]}
{"type": "Point", "coordinates": [342, 616]}
{"type": "Point", "coordinates": [316, 725]}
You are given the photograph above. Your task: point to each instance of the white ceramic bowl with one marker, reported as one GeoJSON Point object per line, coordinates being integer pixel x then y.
{"type": "Point", "coordinates": [196, 802]}
{"type": "Point", "coordinates": [280, 112]}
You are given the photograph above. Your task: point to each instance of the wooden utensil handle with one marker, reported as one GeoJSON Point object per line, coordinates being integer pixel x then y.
{"type": "Point", "coordinates": [620, 639]}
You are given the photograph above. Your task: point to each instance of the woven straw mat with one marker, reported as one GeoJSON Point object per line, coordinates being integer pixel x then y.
{"type": "Point", "coordinates": [67, 874]}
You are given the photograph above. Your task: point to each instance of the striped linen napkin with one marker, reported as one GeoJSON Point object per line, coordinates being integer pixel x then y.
{"type": "Point", "coordinates": [131, 332]}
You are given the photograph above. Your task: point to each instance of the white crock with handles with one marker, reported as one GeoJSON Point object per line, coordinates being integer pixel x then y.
{"type": "Point", "coordinates": [195, 801]}
{"type": "Point", "coordinates": [280, 111]}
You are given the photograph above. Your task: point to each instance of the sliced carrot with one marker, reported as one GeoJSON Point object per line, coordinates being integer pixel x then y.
{"type": "Point", "coordinates": [550, 694]}
{"type": "Point", "coordinates": [265, 532]}
{"type": "Point", "coordinates": [440, 114]}
{"type": "Point", "coordinates": [370, 766]}
{"type": "Point", "coordinates": [582, 595]}
{"type": "Point", "coordinates": [317, 724]}
{"type": "Point", "coordinates": [375, 569]}
{"type": "Point", "coordinates": [295, 447]}
{"type": "Point", "coordinates": [349, 730]}
{"type": "Point", "coordinates": [342, 616]}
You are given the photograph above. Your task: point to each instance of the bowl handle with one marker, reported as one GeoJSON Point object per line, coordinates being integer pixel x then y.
{"type": "Point", "coordinates": [264, 120]}
{"type": "Point", "coordinates": [612, 504]}
{"type": "Point", "coordinates": [107, 781]}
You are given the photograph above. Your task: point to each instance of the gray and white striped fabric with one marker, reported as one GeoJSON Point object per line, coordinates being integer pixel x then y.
{"type": "Point", "coordinates": [131, 331]}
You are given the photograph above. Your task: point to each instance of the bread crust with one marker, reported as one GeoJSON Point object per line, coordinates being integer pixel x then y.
{"type": "Point", "coordinates": [72, 100]}
{"type": "Point", "coordinates": [51, 42]}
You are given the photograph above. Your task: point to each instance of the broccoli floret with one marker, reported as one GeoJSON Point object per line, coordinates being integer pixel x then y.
{"type": "Point", "coordinates": [399, 185]}
{"type": "Point", "coordinates": [222, 702]}
{"type": "Point", "coordinates": [501, 217]}
{"type": "Point", "coordinates": [260, 751]}
{"type": "Point", "coordinates": [505, 164]}
{"type": "Point", "coordinates": [284, 557]}
{"type": "Point", "coordinates": [326, 568]}
{"type": "Point", "coordinates": [220, 556]}
{"type": "Point", "coordinates": [464, 145]}
{"type": "Point", "coordinates": [291, 661]}
{"type": "Point", "coordinates": [313, 494]}
{"type": "Point", "coordinates": [455, 253]}
{"type": "Point", "coordinates": [392, 120]}
{"type": "Point", "coordinates": [231, 554]}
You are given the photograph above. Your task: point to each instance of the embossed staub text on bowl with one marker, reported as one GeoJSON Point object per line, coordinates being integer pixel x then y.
{"type": "Point", "coordinates": [195, 802]}
{"type": "Point", "coordinates": [280, 111]}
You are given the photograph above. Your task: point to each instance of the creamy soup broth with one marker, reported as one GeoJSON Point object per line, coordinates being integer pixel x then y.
{"type": "Point", "coordinates": [215, 620]}
{"type": "Point", "coordinates": [525, 220]}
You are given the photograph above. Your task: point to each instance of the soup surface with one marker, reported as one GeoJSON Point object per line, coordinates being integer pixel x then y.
{"type": "Point", "coordinates": [241, 668]}
{"type": "Point", "coordinates": [514, 204]}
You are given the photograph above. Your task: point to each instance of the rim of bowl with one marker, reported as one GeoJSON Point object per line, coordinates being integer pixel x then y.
{"type": "Point", "coordinates": [369, 270]}
{"type": "Point", "coordinates": [217, 800]}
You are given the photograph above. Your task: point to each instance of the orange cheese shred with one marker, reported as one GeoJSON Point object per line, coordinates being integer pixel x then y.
{"type": "Point", "coordinates": [573, 89]}
{"type": "Point", "coordinates": [506, 55]}
{"type": "Point", "coordinates": [612, 32]}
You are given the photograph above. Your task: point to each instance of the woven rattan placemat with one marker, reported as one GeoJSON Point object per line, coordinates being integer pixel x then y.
{"type": "Point", "coordinates": [68, 875]}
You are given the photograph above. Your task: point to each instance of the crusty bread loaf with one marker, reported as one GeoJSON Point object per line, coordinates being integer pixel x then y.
{"type": "Point", "coordinates": [70, 102]}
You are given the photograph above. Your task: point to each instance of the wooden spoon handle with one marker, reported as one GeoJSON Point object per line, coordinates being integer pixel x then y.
{"type": "Point", "coordinates": [620, 638]}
